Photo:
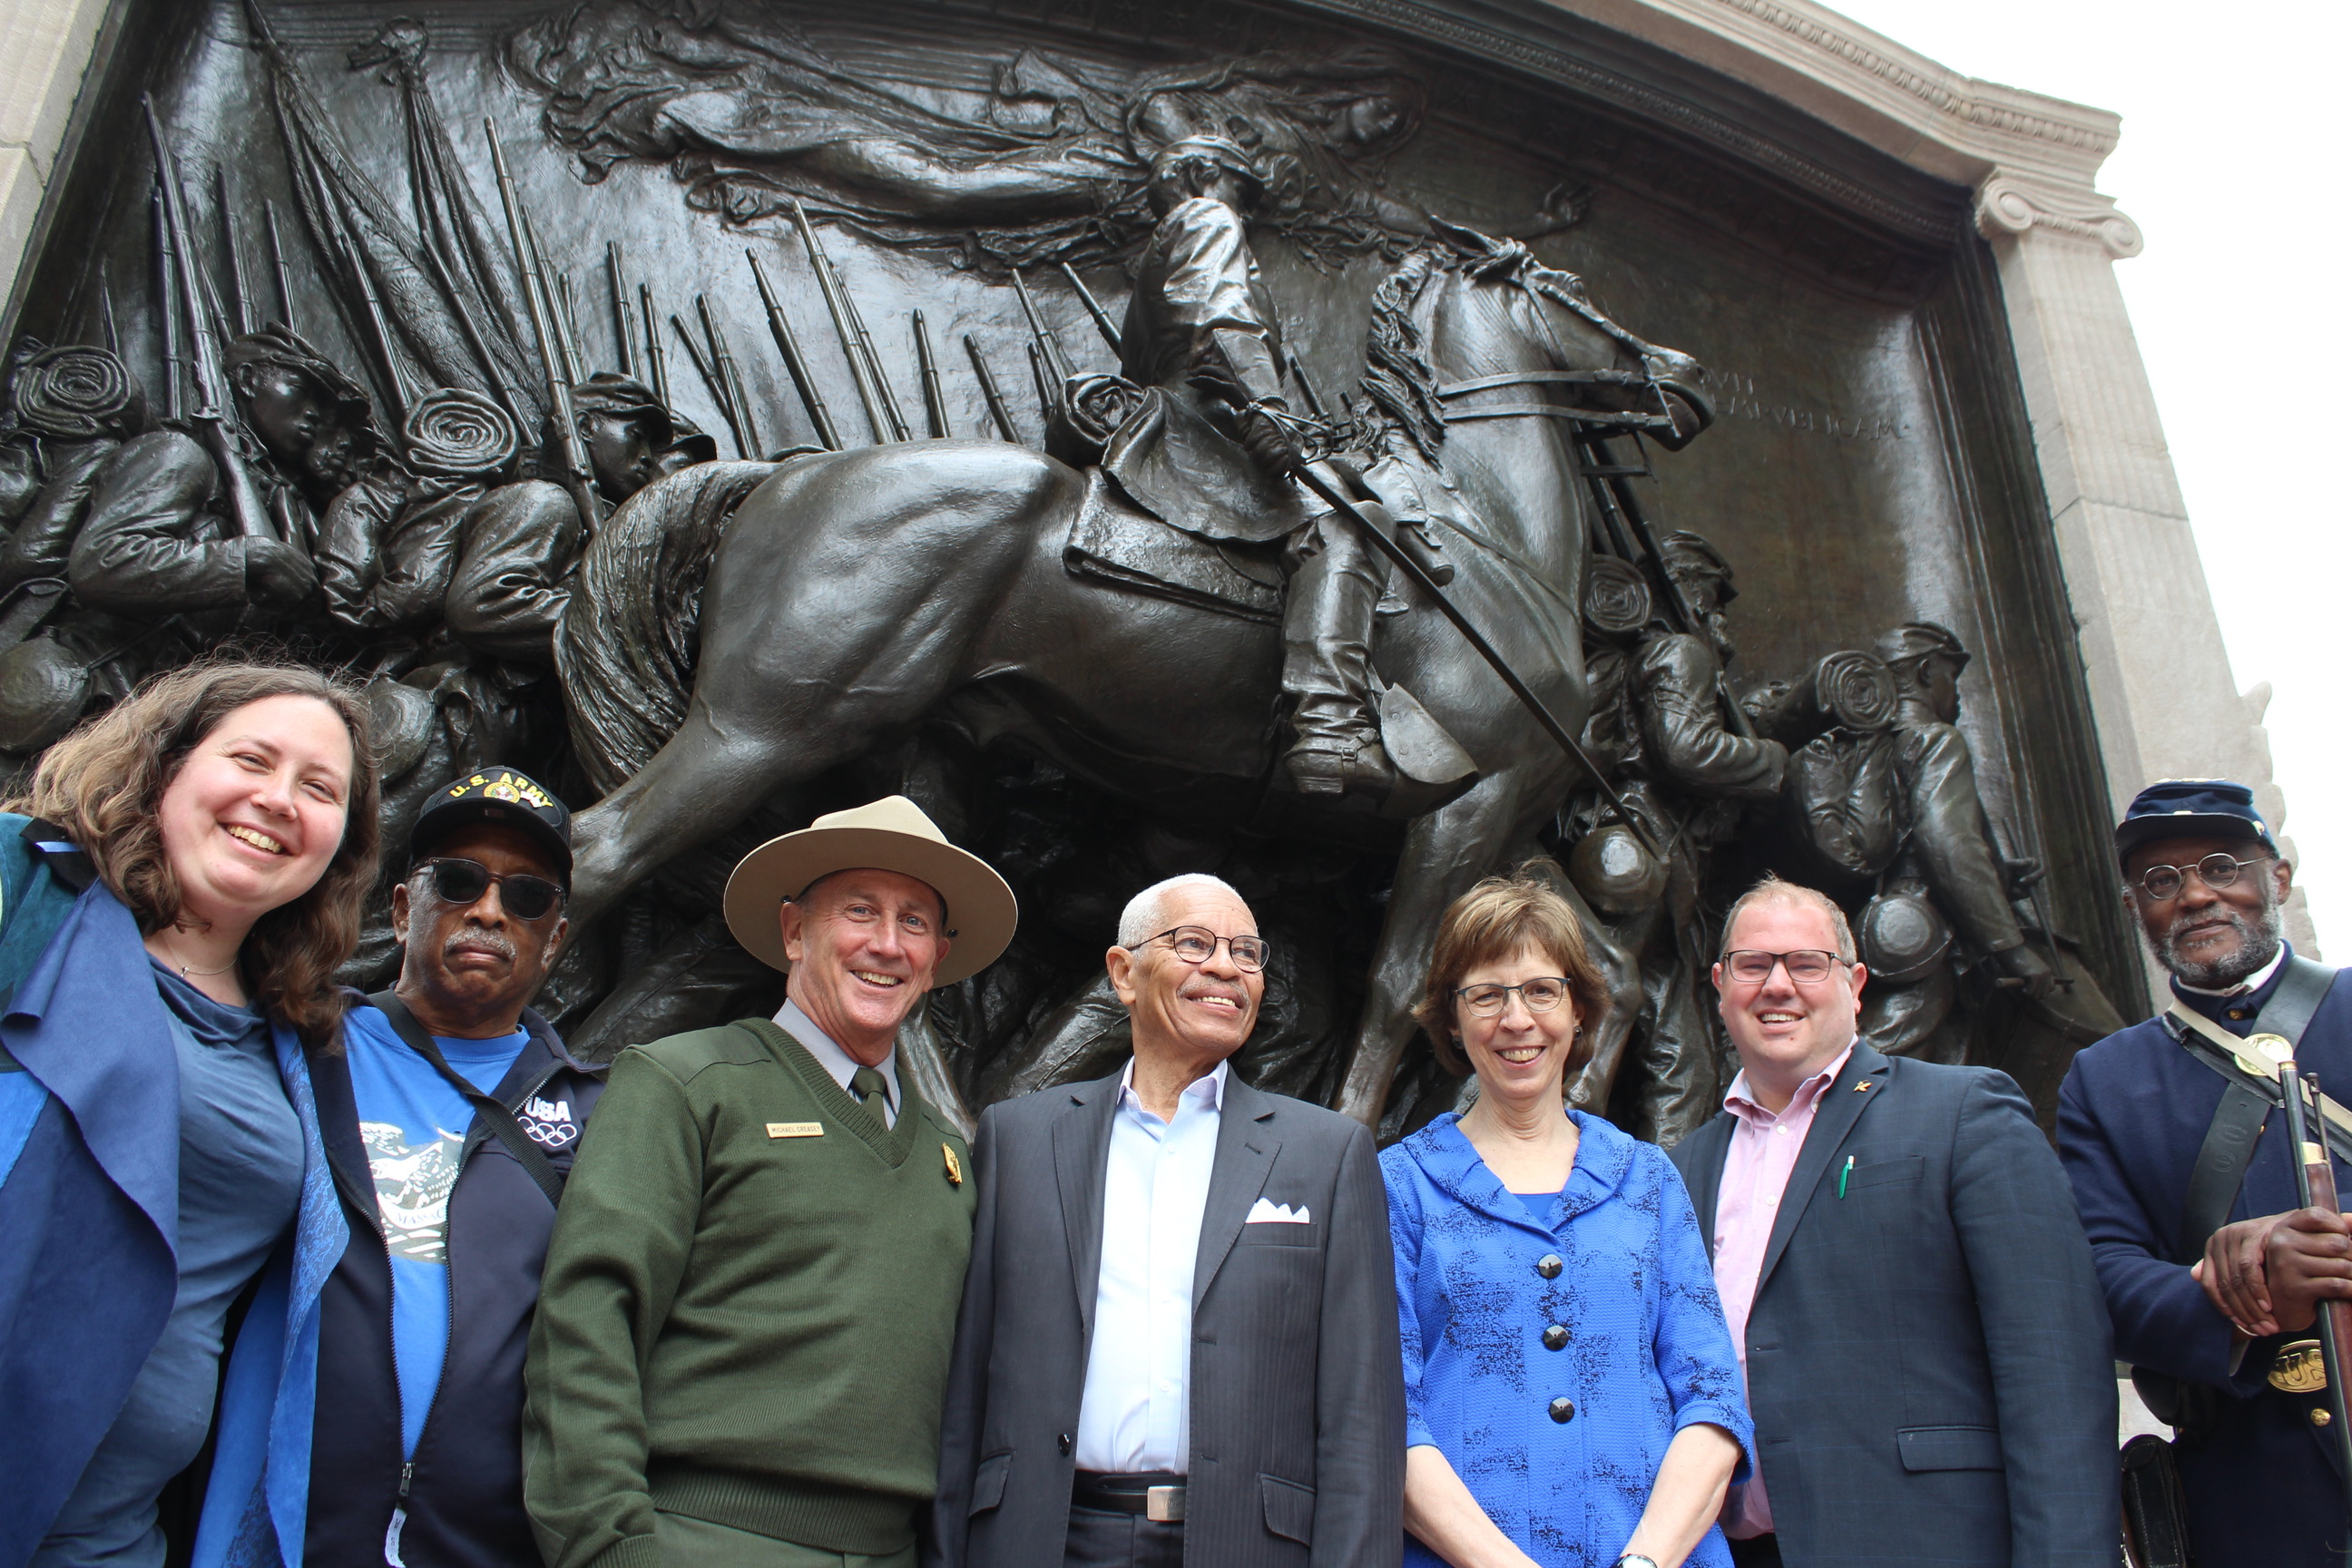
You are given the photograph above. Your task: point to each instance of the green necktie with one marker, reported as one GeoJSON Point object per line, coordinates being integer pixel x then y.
{"type": "Point", "coordinates": [873, 1094]}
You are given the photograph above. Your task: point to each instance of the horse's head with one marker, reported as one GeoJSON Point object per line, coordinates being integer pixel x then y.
{"type": "Point", "coordinates": [1618, 372]}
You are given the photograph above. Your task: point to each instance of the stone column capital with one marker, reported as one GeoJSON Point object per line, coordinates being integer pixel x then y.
{"type": "Point", "coordinates": [2012, 203]}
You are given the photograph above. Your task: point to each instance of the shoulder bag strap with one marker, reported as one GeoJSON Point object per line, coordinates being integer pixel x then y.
{"type": "Point", "coordinates": [495, 1114]}
{"type": "Point", "coordinates": [2221, 1168]}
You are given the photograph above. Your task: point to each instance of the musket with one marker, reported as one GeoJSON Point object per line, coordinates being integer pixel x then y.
{"type": "Point", "coordinates": [567, 320]}
{"type": "Point", "coordinates": [1046, 401]}
{"type": "Point", "coordinates": [780, 327]}
{"type": "Point", "coordinates": [510, 396]}
{"type": "Point", "coordinates": [1103, 323]}
{"type": "Point", "coordinates": [1055, 359]}
{"type": "Point", "coordinates": [1404, 561]}
{"type": "Point", "coordinates": [722, 358]}
{"type": "Point", "coordinates": [995, 399]}
{"type": "Point", "coordinates": [562, 419]}
{"type": "Point", "coordinates": [935, 402]}
{"type": "Point", "coordinates": [239, 300]}
{"type": "Point", "coordinates": [627, 360]}
{"type": "Point", "coordinates": [394, 381]}
{"type": "Point", "coordinates": [214, 409]}
{"type": "Point", "coordinates": [656, 363]}
{"type": "Point", "coordinates": [898, 431]}
{"type": "Point", "coordinates": [837, 308]}
{"type": "Point", "coordinates": [277, 265]}
{"type": "Point", "coordinates": [711, 381]}
{"type": "Point", "coordinates": [167, 287]}
{"type": "Point", "coordinates": [2314, 1186]}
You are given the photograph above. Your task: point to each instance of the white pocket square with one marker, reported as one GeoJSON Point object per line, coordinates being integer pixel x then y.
{"type": "Point", "coordinates": [1264, 1212]}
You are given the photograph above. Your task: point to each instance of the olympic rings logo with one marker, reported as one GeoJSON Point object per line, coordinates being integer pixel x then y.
{"type": "Point", "coordinates": [553, 1135]}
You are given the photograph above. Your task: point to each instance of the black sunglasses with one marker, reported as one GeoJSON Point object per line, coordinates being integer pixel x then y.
{"type": "Point", "coordinates": [465, 881]}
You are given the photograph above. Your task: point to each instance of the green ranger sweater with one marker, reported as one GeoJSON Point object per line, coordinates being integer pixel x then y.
{"type": "Point", "coordinates": [748, 1307]}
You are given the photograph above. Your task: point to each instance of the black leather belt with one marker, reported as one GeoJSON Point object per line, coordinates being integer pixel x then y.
{"type": "Point", "coordinates": [1158, 1495]}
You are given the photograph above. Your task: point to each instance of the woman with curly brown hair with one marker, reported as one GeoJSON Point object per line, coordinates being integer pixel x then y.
{"type": "Point", "coordinates": [178, 886]}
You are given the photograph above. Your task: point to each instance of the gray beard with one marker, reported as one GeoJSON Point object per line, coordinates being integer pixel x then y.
{"type": "Point", "coordinates": [2259, 944]}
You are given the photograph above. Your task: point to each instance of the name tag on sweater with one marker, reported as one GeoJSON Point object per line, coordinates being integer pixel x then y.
{"type": "Point", "coordinates": [795, 1129]}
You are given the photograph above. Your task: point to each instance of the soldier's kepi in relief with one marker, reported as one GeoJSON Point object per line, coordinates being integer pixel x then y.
{"type": "Point", "coordinates": [450, 1117]}
{"type": "Point", "coordinates": [2181, 1168]}
{"type": "Point", "coordinates": [748, 1303]}
{"type": "Point", "coordinates": [1201, 328]}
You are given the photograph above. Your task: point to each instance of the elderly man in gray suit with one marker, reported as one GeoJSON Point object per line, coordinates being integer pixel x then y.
{"type": "Point", "coordinates": [1179, 1335]}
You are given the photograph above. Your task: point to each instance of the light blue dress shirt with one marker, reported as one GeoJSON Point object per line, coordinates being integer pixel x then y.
{"type": "Point", "coordinates": [838, 1062]}
{"type": "Point", "coordinates": [1136, 1415]}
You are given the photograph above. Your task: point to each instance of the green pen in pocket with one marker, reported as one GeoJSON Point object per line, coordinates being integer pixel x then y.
{"type": "Point", "coordinates": [1843, 1174]}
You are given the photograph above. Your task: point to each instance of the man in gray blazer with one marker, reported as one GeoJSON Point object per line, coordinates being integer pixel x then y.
{"type": "Point", "coordinates": [1907, 1285]}
{"type": "Point", "coordinates": [1179, 1335]}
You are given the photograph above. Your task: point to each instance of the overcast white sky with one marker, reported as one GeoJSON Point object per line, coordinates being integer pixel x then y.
{"type": "Point", "coordinates": [2230, 163]}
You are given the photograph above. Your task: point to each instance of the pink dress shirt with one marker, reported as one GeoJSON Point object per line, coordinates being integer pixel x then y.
{"type": "Point", "coordinates": [1764, 1149]}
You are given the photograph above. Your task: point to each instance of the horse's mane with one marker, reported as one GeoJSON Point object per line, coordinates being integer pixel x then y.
{"type": "Point", "coordinates": [1400, 383]}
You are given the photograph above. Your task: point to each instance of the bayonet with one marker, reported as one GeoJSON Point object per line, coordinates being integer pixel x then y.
{"type": "Point", "coordinates": [239, 299]}
{"type": "Point", "coordinates": [657, 362]}
{"type": "Point", "coordinates": [898, 431]}
{"type": "Point", "coordinates": [562, 418]}
{"type": "Point", "coordinates": [277, 265]}
{"type": "Point", "coordinates": [1038, 329]}
{"type": "Point", "coordinates": [997, 412]}
{"type": "Point", "coordinates": [711, 379]}
{"type": "Point", "coordinates": [835, 306]}
{"type": "Point", "coordinates": [1103, 323]}
{"type": "Point", "coordinates": [780, 327]}
{"type": "Point", "coordinates": [106, 311]}
{"type": "Point", "coordinates": [722, 359]}
{"type": "Point", "coordinates": [1046, 401]}
{"type": "Point", "coordinates": [935, 402]}
{"type": "Point", "coordinates": [627, 360]}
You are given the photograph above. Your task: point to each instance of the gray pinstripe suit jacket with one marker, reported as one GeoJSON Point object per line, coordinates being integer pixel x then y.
{"type": "Point", "coordinates": [1297, 1449]}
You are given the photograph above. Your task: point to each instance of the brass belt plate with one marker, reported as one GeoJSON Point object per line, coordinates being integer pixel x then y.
{"type": "Point", "coordinates": [2299, 1368]}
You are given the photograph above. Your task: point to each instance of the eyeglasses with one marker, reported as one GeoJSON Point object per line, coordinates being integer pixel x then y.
{"type": "Point", "coordinates": [1541, 995]}
{"type": "Point", "coordinates": [1806, 965]}
{"type": "Point", "coordinates": [2217, 870]}
{"type": "Point", "coordinates": [1198, 944]}
{"type": "Point", "coordinates": [465, 881]}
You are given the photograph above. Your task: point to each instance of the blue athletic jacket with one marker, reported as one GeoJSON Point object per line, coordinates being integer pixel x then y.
{"type": "Point", "coordinates": [89, 1154]}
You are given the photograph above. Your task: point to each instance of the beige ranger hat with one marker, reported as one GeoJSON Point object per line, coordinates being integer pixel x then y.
{"type": "Point", "coordinates": [890, 835]}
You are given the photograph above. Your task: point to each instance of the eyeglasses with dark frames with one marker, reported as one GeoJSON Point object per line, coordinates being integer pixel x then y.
{"type": "Point", "coordinates": [2162, 884]}
{"type": "Point", "coordinates": [1806, 965]}
{"type": "Point", "coordinates": [1541, 995]}
{"type": "Point", "coordinates": [1198, 944]}
{"type": "Point", "coordinates": [459, 881]}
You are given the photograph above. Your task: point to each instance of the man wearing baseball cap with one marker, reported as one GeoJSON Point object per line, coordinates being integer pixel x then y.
{"type": "Point", "coordinates": [750, 1300]}
{"type": "Point", "coordinates": [2212, 1275]}
{"type": "Point", "coordinates": [450, 1116]}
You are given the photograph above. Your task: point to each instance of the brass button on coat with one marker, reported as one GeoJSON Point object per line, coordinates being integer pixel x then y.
{"type": "Point", "coordinates": [1549, 1266]}
{"type": "Point", "coordinates": [2321, 1418]}
{"type": "Point", "coordinates": [1563, 1410]}
{"type": "Point", "coordinates": [1555, 1338]}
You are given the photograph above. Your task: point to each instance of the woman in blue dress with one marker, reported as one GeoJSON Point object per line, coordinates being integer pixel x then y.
{"type": "Point", "coordinates": [1571, 1397]}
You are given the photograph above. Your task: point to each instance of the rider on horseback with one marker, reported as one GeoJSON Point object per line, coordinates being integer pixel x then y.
{"type": "Point", "coordinates": [1201, 328]}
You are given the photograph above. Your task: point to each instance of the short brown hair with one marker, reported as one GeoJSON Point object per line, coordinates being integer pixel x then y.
{"type": "Point", "coordinates": [1488, 924]}
{"type": "Point", "coordinates": [104, 783]}
{"type": "Point", "coordinates": [1771, 889]}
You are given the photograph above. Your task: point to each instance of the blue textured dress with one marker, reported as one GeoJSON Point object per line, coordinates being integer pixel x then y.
{"type": "Point", "coordinates": [1645, 1353]}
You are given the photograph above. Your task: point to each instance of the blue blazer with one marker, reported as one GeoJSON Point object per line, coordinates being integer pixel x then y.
{"type": "Point", "coordinates": [1927, 1355]}
{"type": "Point", "coordinates": [1645, 1354]}
{"type": "Point", "coordinates": [89, 1156]}
{"type": "Point", "coordinates": [2132, 1115]}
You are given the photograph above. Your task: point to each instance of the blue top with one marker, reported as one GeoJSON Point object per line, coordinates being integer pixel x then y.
{"type": "Point", "coordinates": [1645, 1354]}
{"type": "Point", "coordinates": [240, 1177]}
{"type": "Point", "coordinates": [413, 1123]}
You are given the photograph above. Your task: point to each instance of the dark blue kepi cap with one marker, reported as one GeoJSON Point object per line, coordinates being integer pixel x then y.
{"type": "Point", "coordinates": [504, 797]}
{"type": "Point", "coordinates": [2192, 808]}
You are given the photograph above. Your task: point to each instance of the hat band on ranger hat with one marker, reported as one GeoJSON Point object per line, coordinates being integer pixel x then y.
{"type": "Point", "coordinates": [887, 835]}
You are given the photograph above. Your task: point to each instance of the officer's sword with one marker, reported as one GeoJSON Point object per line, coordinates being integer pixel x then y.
{"type": "Point", "coordinates": [1403, 560]}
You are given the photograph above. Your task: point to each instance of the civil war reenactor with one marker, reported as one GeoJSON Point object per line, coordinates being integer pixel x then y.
{"type": "Point", "coordinates": [744, 1328]}
{"type": "Point", "coordinates": [2213, 1276]}
{"type": "Point", "coordinates": [450, 1117]}
{"type": "Point", "coordinates": [521, 541]}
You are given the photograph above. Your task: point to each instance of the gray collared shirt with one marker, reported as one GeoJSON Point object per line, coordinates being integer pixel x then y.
{"type": "Point", "coordinates": [838, 1062]}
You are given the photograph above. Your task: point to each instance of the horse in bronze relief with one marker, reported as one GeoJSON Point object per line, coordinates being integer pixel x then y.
{"type": "Point", "coordinates": [854, 596]}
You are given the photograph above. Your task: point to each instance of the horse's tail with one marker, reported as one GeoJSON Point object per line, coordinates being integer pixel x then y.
{"type": "Point", "coordinates": [626, 646]}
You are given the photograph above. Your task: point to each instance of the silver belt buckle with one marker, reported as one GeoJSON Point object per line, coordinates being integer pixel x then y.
{"type": "Point", "coordinates": [1164, 1504]}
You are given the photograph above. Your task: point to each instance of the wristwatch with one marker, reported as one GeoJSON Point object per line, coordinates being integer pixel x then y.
{"type": "Point", "coordinates": [1635, 1559]}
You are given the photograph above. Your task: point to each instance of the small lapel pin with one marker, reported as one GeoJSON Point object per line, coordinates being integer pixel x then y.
{"type": "Point", "coordinates": [955, 1166]}
{"type": "Point", "coordinates": [1862, 1088]}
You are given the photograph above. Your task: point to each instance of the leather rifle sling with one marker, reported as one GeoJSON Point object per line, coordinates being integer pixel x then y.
{"type": "Point", "coordinates": [2229, 1137]}
{"type": "Point", "coordinates": [494, 1113]}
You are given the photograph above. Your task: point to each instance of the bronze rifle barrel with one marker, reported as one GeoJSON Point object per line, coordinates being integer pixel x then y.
{"type": "Point", "coordinates": [788, 344]}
